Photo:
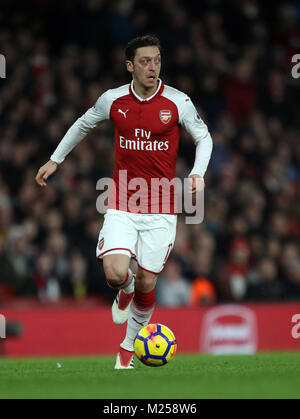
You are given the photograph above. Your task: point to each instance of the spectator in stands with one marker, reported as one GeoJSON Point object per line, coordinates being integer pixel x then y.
{"type": "Point", "coordinates": [264, 283]}
{"type": "Point", "coordinates": [21, 255]}
{"type": "Point", "coordinates": [232, 277]}
{"type": "Point", "coordinates": [8, 277]}
{"type": "Point", "coordinates": [293, 281]}
{"type": "Point", "coordinates": [240, 91]}
{"type": "Point", "coordinates": [46, 282]}
{"type": "Point", "coordinates": [172, 290]}
{"type": "Point", "coordinates": [202, 293]}
{"type": "Point", "coordinates": [78, 275]}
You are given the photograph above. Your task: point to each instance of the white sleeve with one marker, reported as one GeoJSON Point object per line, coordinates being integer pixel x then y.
{"type": "Point", "coordinates": [92, 118]}
{"type": "Point", "coordinates": [192, 122]}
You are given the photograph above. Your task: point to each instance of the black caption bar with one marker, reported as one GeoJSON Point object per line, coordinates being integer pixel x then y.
{"type": "Point", "coordinates": [92, 408]}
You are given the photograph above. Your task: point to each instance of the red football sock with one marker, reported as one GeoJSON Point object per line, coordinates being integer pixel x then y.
{"type": "Point", "coordinates": [144, 300]}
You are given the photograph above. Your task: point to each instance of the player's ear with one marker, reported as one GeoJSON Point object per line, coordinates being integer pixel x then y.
{"type": "Point", "coordinates": [129, 66]}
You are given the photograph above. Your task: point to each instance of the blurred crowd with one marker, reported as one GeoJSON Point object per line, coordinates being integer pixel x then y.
{"type": "Point", "coordinates": [233, 59]}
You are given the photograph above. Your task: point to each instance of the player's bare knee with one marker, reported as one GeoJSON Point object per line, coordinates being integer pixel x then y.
{"type": "Point", "coordinates": [114, 275]}
{"type": "Point", "coordinates": [115, 268]}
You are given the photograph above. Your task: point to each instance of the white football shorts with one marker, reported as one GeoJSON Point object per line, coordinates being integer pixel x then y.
{"type": "Point", "coordinates": [147, 238]}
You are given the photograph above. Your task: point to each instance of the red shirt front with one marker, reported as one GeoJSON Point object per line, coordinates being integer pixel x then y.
{"type": "Point", "coordinates": [147, 135]}
{"type": "Point", "coordinates": [146, 146]}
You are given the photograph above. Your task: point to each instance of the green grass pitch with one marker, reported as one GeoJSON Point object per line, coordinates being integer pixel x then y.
{"type": "Point", "coordinates": [264, 375]}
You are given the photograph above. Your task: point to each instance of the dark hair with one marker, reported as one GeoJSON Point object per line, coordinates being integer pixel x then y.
{"type": "Point", "coordinates": [138, 42]}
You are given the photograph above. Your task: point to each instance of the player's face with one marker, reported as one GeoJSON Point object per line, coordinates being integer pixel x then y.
{"type": "Point", "coordinates": [145, 67]}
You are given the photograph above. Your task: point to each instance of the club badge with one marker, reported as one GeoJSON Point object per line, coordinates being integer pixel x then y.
{"type": "Point", "coordinates": [165, 116]}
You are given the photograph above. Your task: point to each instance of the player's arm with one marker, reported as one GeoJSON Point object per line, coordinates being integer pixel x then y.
{"type": "Point", "coordinates": [91, 119]}
{"type": "Point", "coordinates": [192, 122]}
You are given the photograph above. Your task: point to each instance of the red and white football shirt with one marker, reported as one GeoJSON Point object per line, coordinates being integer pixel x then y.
{"type": "Point", "coordinates": [147, 133]}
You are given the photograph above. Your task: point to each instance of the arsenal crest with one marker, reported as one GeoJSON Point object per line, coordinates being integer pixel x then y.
{"type": "Point", "coordinates": [165, 116]}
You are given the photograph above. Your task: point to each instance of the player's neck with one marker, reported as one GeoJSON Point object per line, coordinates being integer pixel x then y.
{"type": "Point", "coordinates": [143, 91]}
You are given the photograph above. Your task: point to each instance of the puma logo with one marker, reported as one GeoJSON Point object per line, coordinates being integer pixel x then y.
{"type": "Point", "coordinates": [122, 112]}
{"type": "Point", "coordinates": [140, 323]}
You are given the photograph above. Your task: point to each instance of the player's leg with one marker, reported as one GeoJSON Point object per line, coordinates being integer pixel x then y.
{"type": "Point", "coordinates": [120, 277]}
{"type": "Point", "coordinates": [140, 313]}
{"type": "Point", "coordinates": [116, 246]}
{"type": "Point", "coordinates": [155, 241]}
{"type": "Point", "coordinates": [142, 306]}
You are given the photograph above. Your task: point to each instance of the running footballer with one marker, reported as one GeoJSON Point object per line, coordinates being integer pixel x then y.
{"type": "Point", "coordinates": [147, 115]}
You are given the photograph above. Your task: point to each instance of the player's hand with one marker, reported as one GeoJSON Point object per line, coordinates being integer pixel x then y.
{"type": "Point", "coordinates": [197, 183]}
{"type": "Point", "coordinates": [45, 171]}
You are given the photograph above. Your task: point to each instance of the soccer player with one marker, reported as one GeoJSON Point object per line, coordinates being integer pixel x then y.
{"type": "Point", "coordinates": [147, 115]}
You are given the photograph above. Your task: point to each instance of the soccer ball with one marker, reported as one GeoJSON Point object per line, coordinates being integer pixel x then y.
{"type": "Point", "coordinates": [155, 345]}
